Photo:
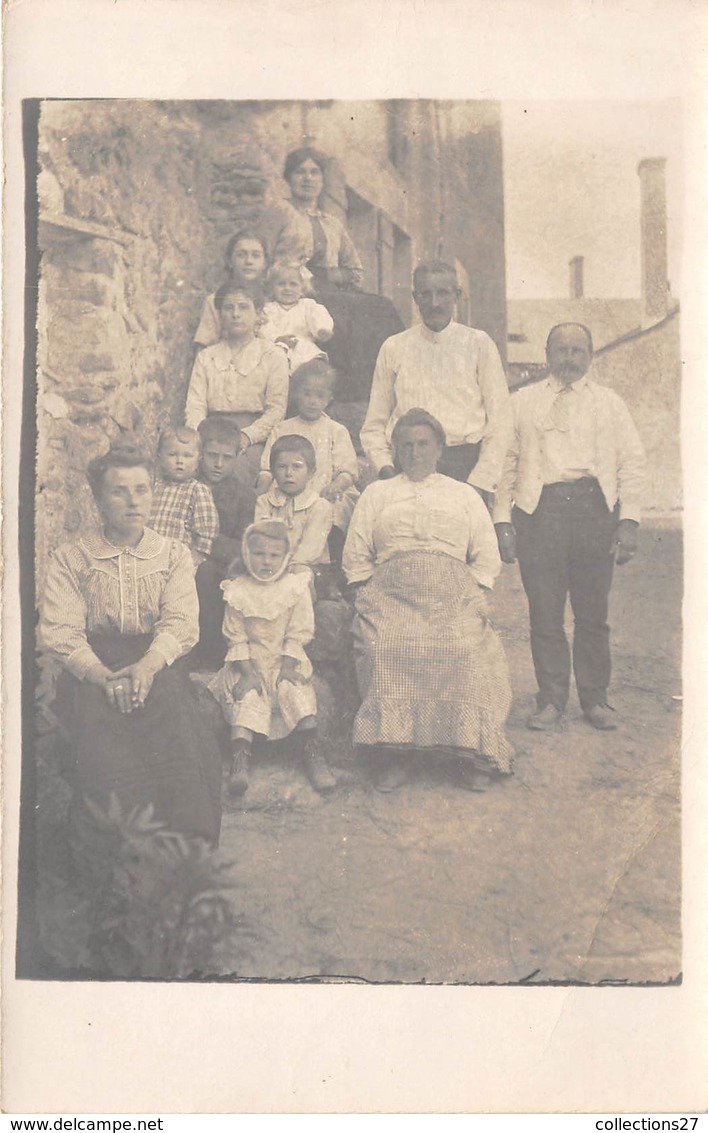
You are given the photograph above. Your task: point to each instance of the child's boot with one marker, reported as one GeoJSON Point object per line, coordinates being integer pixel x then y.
{"type": "Point", "coordinates": [316, 767]}
{"type": "Point", "coordinates": [240, 767]}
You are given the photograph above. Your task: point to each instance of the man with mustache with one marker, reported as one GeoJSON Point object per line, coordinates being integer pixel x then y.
{"type": "Point", "coordinates": [574, 476]}
{"type": "Point", "coordinates": [452, 371]}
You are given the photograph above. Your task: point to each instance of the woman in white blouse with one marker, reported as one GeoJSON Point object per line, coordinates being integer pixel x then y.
{"type": "Point", "coordinates": [421, 550]}
{"type": "Point", "coordinates": [242, 378]}
{"type": "Point", "coordinates": [119, 611]}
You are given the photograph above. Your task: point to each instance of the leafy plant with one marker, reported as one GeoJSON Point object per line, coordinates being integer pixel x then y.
{"type": "Point", "coordinates": [139, 901]}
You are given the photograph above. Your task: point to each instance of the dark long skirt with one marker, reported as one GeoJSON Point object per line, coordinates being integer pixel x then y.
{"type": "Point", "coordinates": [163, 753]}
{"type": "Point", "coordinates": [362, 323]}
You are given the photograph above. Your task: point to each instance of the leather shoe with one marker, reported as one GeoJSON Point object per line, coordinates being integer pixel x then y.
{"type": "Point", "coordinates": [316, 768]}
{"type": "Point", "coordinates": [548, 719]}
{"type": "Point", "coordinates": [471, 779]}
{"type": "Point", "coordinates": [391, 777]}
{"type": "Point", "coordinates": [600, 717]}
{"type": "Point", "coordinates": [240, 767]}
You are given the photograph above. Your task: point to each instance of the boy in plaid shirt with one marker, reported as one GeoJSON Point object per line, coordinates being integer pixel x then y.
{"type": "Point", "coordinates": [183, 508]}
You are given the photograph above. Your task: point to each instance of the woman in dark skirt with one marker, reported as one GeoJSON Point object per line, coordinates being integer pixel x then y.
{"type": "Point", "coordinates": [362, 321]}
{"type": "Point", "coordinates": [120, 612]}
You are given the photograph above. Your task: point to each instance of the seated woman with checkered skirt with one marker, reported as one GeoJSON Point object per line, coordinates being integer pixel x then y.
{"type": "Point", "coordinates": [432, 674]}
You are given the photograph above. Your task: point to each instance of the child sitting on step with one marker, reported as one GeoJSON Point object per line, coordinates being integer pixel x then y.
{"type": "Point", "coordinates": [265, 687]}
{"type": "Point", "coordinates": [292, 499]}
{"type": "Point", "coordinates": [311, 388]}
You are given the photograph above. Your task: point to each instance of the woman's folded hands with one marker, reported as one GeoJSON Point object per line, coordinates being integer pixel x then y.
{"type": "Point", "coordinates": [128, 688]}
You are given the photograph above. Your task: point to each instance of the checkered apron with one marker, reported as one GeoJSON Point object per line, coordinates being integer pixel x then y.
{"type": "Point", "coordinates": [431, 670]}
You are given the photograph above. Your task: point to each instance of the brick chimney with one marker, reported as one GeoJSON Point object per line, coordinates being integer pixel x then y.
{"type": "Point", "coordinates": [652, 180]}
{"type": "Point", "coordinates": [577, 287]}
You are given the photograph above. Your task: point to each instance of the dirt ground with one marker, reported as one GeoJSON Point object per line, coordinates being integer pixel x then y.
{"type": "Point", "coordinates": [568, 871]}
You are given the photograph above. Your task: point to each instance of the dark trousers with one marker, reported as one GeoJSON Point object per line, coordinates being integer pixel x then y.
{"type": "Point", "coordinates": [212, 646]}
{"type": "Point", "coordinates": [457, 461]}
{"type": "Point", "coordinates": [566, 548]}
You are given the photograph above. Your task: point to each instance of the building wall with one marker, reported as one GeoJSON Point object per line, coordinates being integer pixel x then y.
{"type": "Point", "coordinates": [646, 372]}
{"type": "Point", "coordinates": [531, 319]}
{"type": "Point", "coordinates": [473, 209]}
{"type": "Point", "coordinates": [116, 311]}
{"type": "Point", "coordinates": [432, 170]}
{"type": "Point", "coordinates": [136, 205]}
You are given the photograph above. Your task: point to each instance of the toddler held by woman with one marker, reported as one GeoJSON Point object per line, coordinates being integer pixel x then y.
{"type": "Point", "coordinates": [292, 320]}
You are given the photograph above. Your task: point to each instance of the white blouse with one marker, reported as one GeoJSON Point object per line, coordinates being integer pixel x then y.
{"type": "Point", "coordinates": [457, 375]}
{"type": "Point", "coordinates": [435, 514]}
{"type": "Point", "coordinates": [92, 585]}
{"type": "Point", "coordinates": [266, 621]}
{"type": "Point", "coordinates": [255, 380]}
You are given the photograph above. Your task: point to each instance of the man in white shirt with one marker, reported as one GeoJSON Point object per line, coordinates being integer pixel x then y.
{"type": "Point", "coordinates": [574, 475]}
{"type": "Point", "coordinates": [452, 371]}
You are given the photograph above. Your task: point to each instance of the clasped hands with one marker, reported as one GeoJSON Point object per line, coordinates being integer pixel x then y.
{"type": "Point", "coordinates": [127, 688]}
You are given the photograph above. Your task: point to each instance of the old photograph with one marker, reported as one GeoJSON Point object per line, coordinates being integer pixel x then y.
{"type": "Point", "coordinates": [351, 542]}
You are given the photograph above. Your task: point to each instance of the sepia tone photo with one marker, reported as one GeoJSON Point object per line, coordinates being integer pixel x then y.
{"type": "Point", "coordinates": [352, 556]}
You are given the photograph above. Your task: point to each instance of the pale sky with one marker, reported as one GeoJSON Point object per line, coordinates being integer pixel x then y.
{"type": "Point", "coordinates": [571, 188]}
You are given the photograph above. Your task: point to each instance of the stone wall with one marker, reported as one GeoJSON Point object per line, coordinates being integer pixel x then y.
{"type": "Point", "coordinates": [121, 286]}
{"type": "Point", "coordinates": [137, 200]}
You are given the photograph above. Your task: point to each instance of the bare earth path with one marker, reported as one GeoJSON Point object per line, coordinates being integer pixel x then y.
{"type": "Point", "coordinates": [568, 871]}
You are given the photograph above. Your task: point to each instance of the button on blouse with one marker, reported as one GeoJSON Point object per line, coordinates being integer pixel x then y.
{"type": "Point", "coordinates": [92, 586]}
{"type": "Point", "coordinates": [436, 514]}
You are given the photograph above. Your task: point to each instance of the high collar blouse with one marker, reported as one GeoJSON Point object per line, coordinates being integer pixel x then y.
{"type": "Point", "coordinates": [437, 514]}
{"type": "Point", "coordinates": [252, 380]}
{"type": "Point", "coordinates": [94, 586]}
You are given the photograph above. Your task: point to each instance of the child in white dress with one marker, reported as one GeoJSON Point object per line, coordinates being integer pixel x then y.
{"type": "Point", "coordinates": [295, 322]}
{"type": "Point", "coordinates": [265, 686]}
{"type": "Point", "coordinates": [311, 388]}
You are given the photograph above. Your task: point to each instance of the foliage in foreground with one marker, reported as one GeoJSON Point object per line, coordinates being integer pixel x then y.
{"type": "Point", "coordinates": [130, 899]}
